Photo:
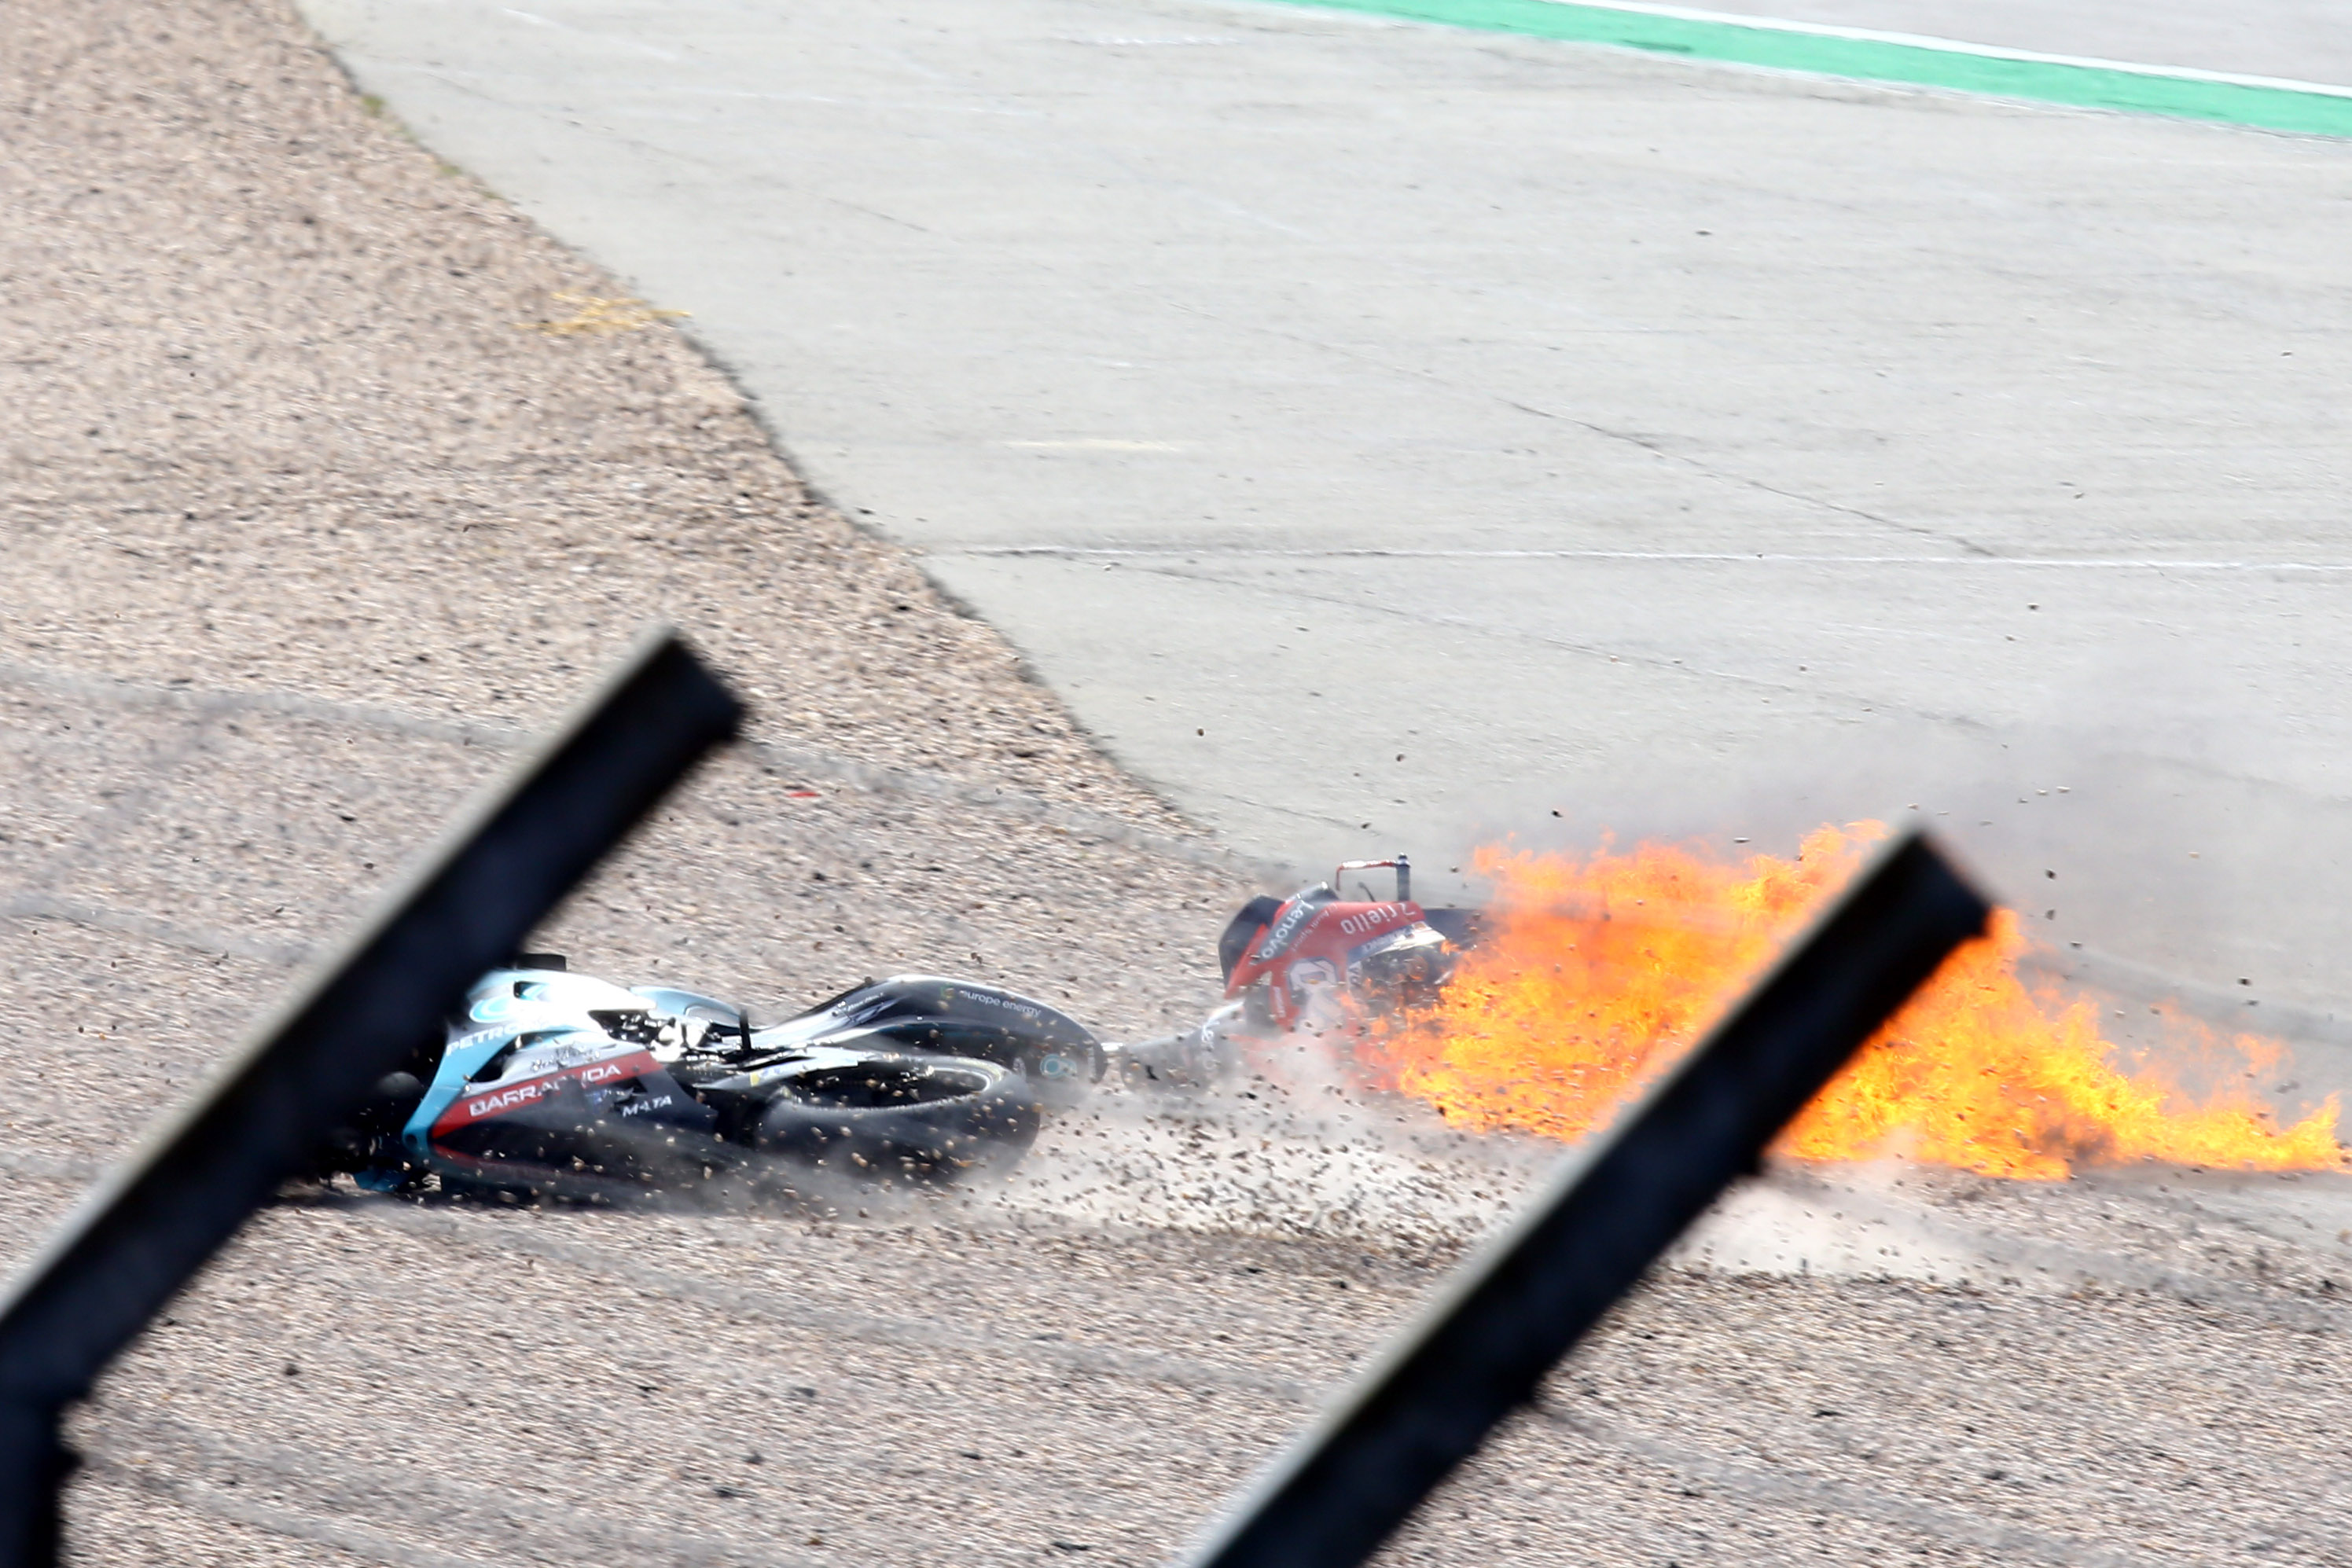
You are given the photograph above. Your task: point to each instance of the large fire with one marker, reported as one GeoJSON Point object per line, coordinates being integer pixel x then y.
{"type": "Point", "coordinates": [1599, 972]}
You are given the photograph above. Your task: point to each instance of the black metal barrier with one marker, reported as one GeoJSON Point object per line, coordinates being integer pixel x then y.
{"type": "Point", "coordinates": [151, 1223]}
{"type": "Point", "coordinates": [1511, 1314]}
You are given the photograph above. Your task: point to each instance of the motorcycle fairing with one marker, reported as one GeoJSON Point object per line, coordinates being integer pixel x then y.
{"type": "Point", "coordinates": [601, 1079]}
{"type": "Point", "coordinates": [530, 1041]}
{"type": "Point", "coordinates": [551, 1075]}
{"type": "Point", "coordinates": [1318, 942]}
{"type": "Point", "coordinates": [950, 1017]}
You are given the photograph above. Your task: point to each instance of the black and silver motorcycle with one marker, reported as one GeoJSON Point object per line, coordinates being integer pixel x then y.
{"type": "Point", "coordinates": [553, 1081]}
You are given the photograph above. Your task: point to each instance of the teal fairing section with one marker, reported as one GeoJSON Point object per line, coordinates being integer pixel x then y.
{"type": "Point", "coordinates": [459, 1064]}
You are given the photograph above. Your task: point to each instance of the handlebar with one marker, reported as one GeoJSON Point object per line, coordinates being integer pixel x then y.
{"type": "Point", "coordinates": [1400, 864]}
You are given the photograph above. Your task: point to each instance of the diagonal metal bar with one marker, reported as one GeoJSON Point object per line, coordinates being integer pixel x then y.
{"type": "Point", "coordinates": [1486, 1344]}
{"type": "Point", "coordinates": [504, 863]}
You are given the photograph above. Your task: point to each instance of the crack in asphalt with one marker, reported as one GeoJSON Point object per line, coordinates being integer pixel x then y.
{"type": "Point", "coordinates": [1590, 650]}
{"type": "Point", "coordinates": [1651, 446]}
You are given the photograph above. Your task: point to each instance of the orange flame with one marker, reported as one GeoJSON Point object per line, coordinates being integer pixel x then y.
{"type": "Point", "coordinates": [1598, 973]}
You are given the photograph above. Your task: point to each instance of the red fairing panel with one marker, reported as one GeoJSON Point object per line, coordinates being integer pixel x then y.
{"type": "Point", "coordinates": [1322, 938]}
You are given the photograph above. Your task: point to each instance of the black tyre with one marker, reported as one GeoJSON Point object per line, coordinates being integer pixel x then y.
{"type": "Point", "coordinates": [919, 1117]}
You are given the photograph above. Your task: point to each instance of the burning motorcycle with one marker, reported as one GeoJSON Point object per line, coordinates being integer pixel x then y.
{"type": "Point", "coordinates": [1315, 965]}
{"type": "Point", "coordinates": [557, 1082]}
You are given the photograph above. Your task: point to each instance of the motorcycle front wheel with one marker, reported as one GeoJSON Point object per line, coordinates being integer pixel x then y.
{"type": "Point", "coordinates": [923, 1117]}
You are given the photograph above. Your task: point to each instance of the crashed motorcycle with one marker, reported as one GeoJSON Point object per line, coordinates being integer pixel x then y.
{"type": "Point", "coordinates": [1317, 966]}
{"type": "Point", "coordinates": [553, 1082]}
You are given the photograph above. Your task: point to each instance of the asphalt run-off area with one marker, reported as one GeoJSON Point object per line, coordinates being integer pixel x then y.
{"type": "Point", "coordinates": [1396, 436]}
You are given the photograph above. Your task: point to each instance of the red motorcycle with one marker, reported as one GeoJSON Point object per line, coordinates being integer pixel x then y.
{"type": "Point", "coordinates": [1315, 965]}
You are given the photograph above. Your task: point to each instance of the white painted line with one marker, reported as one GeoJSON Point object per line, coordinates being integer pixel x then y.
{"type": "Point", "coordinates": [1955, 47]}
{"type": "Point", "coordinates": [2110, 563]}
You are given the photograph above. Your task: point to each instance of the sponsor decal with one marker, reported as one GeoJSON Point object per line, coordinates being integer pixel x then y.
{"type": "Point", "coordinates": [655, 1102]}
{"type": "Point", "coordinates": [1372, 919]}
{"type": "Point", "coordinates": [1002, 1004]}
{"type": "Point", "coordinates": [489, 1009]}
{"type": "Point", "coordinates": [1285, 930]}
{"type": "Point", "coordinates": [473, 1107]}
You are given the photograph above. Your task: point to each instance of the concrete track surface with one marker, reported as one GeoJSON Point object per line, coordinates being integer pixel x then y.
{"type": "Point", "coordinates": [1385, 436]}
{"type": "Point", "coordinates": [303, 533]}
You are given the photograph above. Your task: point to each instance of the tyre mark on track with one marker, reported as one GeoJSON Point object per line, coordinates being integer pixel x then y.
{"type": "Point", "coordinates": [406, 1498]}
{"type": "Point", "coordinates": [160, 758]}
{"type": "Point", "coordinates": [1775, 1488]}
{"type": "Point", "coordinates": [62, 1168]}
{"type": "Point", "coordinates": [805, 761]}
{"type": "Point", "coordinates": [1794, 1488]}
{"type": "Point", "coordinates": [773, 1305]}
{"type": "Point", "coordinates": [115, 693]}
{"type": "Point", "coordinates": [138, 923]}
{"type": "Point", "coordinates": [221, 1502]}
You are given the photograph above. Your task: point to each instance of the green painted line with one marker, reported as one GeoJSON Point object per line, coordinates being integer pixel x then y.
{"type": "Point", "coordinates": [1892, 57]}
